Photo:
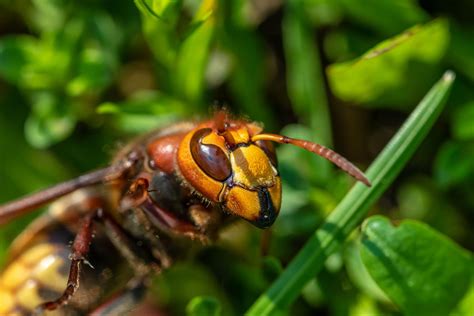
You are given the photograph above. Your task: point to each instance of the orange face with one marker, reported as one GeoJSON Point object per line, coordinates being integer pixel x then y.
{"type": "Point", "coordinates": [233, 171]}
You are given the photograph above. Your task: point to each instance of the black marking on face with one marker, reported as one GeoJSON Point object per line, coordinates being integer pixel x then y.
{"type": "Point", "coordinates": [268, 213]}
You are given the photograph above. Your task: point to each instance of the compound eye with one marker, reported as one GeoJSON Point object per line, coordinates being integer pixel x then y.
{"type": "Point", "coordinates": [269, 150]}
{"type": "Point", "coordinates": [210, 158]}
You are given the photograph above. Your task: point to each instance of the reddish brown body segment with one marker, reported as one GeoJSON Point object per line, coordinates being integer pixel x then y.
{"type": "Point", "coordinates": [162, 152]}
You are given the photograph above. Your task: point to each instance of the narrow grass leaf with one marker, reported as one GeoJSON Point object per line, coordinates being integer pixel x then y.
{"type": "Point", "coordinates": [249, 75]}
{"type": "Point", "coordinates": [305, 81]}
{"type": "Point", "coordinates": [352, 209]}
{"type": "Point", "coordinates": [159, 33]}
{"type": "Point", "coordinates": [304, 74]}
{"type": "Point", "coordinates": [191, 61]}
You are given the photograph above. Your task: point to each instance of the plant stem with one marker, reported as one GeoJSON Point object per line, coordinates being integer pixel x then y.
{"type": "Point", "coordinates": [355, 205]}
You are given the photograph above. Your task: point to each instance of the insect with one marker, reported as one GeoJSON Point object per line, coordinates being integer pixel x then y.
{"type": "Point", "coordinates": [162, 193]}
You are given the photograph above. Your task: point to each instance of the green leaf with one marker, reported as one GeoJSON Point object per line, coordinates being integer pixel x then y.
{"type": "Point", "coordinates": [193, 53]}
{"type": "Point", "coordinates": [50, 121]}
{"type": "Point", "coordinates": [396, 72]}
{"type": "Point", "coordinates": [43, 132]}
{"type": "Point", "coordinates": [160, 34]}
{"type": "Point", "coordinates": [49, 15]}
{"type": "Point", "coordinates": [352, 209]}
{"type": "Point", "coordinates": [166, 10]}
{"type": "Point", "coordinates": [203, 306]}
{"type": "Point", "coordinates": [94, 72]}
{"type": "Point", "coordinates": [359, 275]}
{"type": "Point", "coordinates": [147, 110]}
{"type": "Point", "coordinates": [365, 305]}
{"type": "Point", "coordinates": [96, 61]}
{"type": "Point", "coordinates": [421, 270]}
{"type": "Point", "coordinates": [16, 52]}
{"type": "Point", "coordinates": [54, 56]}
{"type": "Point", "coordinates": [466, 306]}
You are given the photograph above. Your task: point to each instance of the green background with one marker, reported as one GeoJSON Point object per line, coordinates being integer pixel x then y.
{"type": "Point", "coordinates": [80, 78]}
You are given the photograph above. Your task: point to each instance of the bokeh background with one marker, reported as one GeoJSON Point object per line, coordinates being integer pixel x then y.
{"type": "Point", "coordinates": [80, 78]}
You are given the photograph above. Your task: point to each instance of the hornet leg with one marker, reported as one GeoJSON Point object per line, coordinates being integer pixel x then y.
{"type": "Point", "coordinates": [80, 248]}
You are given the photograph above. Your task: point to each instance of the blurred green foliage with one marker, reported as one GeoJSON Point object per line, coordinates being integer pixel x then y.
{"type": "Point", "coordinates": [79, 78]}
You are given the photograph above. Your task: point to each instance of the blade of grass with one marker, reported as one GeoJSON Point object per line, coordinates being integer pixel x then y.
{"type": "Point", "coordinates": [305, 82]}
{"type": "Point", "coordinates": [193, 54]}
{"type": "Point", "coordinates": [352, 209]}
{"type": "Point", "coordinates": [304, 72]}
{"type": "Point", "coordinates": [248, 77]}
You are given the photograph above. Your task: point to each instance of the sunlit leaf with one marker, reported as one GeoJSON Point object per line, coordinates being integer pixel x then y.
{"type": "Point", "coordinates": [364, 306]}
{"type": "Point", "coordinates": [165, 10]}
{"type": "Point", "coordinates": [203, 306]}
{"type": "Point", "coordinates": [421, 270]}
{"type": "Point", "coordinates": [395, 72]}
{"type": "Point", "coordinates": [49, 15]}
{"type": "Point", "coordinates": [160, 34]}
{"type": "Point", "coordinates": [466, 306]}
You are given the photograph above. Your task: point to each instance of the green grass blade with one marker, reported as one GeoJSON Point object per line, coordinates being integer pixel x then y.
{"type": "Point", "coordinates": [353, 208]}
{"type": "Point", "coordinates": [304, 72]}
